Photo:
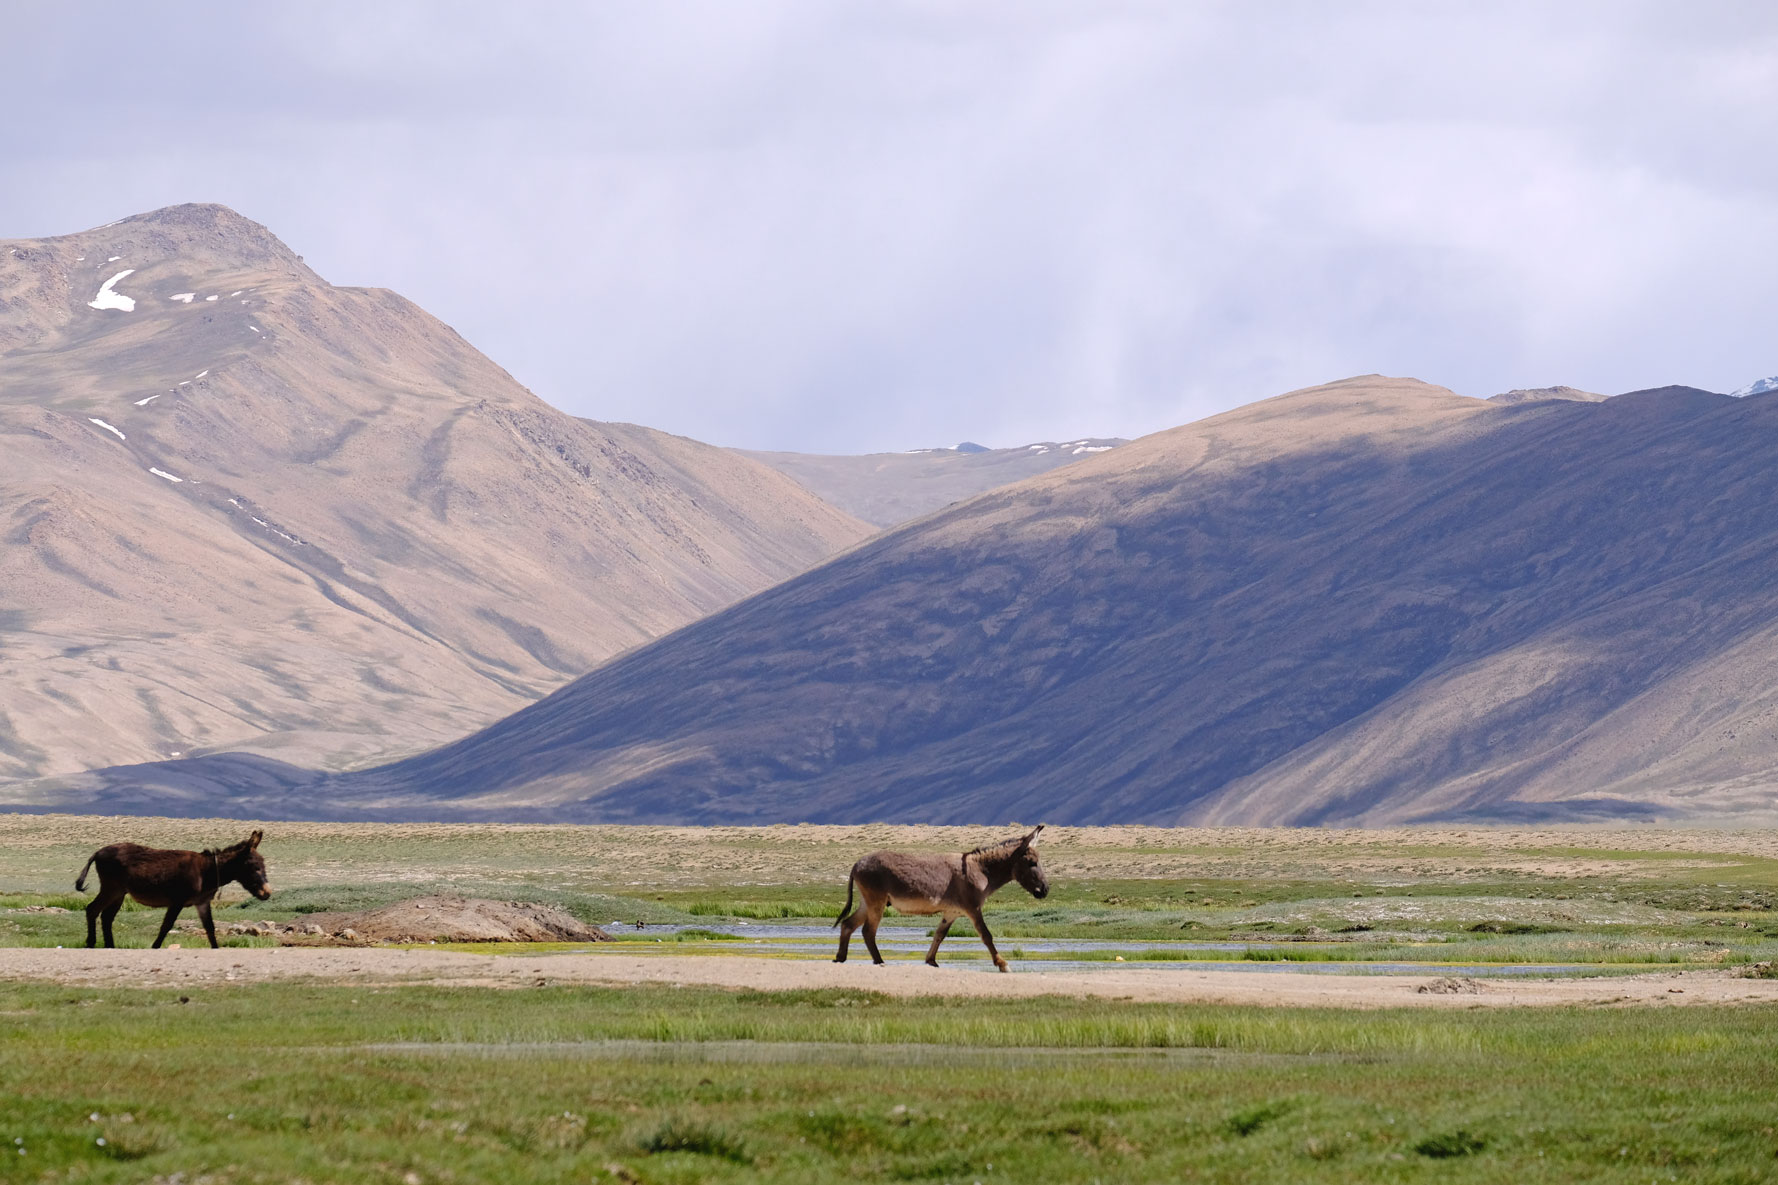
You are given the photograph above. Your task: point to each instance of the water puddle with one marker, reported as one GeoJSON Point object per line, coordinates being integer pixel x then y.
{"type": "Point", "coordinates": [966, 953]}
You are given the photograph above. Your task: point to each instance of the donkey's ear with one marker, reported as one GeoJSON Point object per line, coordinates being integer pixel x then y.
{"type": "Point", "coordinates": [1026, 842]}
{"type": "Point", "coordinates": [253, 840]}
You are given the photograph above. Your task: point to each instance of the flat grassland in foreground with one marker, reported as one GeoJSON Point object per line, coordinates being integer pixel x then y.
{"type": "Point", "coordinates": [359, 1082]}
{"type": "Point", "coordinates": [334, 1083]}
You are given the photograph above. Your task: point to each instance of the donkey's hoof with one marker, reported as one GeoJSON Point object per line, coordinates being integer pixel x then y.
{"type": "Point", "coordinates": [1000, 965]}
{"type": "Point", "coordinates": [839, 958]}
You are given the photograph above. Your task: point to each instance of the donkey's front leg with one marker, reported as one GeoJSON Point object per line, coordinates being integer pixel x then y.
{"type": "Point", "coordinates": [167, 924]}
{"type": "Point", "coordinates": [209, 925]}
{"type": "Point", "coordinates": [981, 928]}
{"type": "Point", "coordinates": [938, 936]}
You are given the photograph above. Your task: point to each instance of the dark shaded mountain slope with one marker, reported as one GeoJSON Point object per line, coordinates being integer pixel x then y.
{"type": "Point", "coordinates": [1369, 602]}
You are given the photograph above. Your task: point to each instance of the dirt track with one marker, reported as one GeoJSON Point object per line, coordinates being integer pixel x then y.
{"type": "Point", "coordinates": [371, 965]}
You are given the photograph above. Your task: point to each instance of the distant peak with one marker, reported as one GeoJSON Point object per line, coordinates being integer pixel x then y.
{"type": "Point", "coordinates": [1539, 394]}
{"type": "Point", "coordinates": [970, 446]}
{"type": "Point", "coordinates": [202, 229]}
{"type": "Point", "coordinates": [1672, 392]}
{"type": "Point", "coordinates": [1757, 388]}
{"type": "Point", "coordinates": [200, 216]}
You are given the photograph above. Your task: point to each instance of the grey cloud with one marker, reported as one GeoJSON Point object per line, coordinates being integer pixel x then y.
{"type": "Point", "coordinates": [848, 227]}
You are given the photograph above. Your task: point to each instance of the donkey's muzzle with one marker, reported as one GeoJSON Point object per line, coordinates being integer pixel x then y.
{"type": "Point", "coordinates": [264, 892]}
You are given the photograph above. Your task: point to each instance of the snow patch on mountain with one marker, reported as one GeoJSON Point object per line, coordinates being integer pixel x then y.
{"type": "Point", "coordinates": [1758, 388]}
{"type": "Point", "coordinates": [107, 299]}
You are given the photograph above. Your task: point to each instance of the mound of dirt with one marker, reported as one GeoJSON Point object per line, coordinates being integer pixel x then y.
{"type": "Point", "coordinates": [445, 919]}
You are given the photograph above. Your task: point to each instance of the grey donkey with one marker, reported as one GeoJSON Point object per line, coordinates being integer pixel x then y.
{"type": "Point", "coordinates": [955, 886]}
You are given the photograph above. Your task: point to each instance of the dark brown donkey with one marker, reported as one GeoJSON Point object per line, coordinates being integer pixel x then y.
{"type": "Point", "coordinates": [954, 886]}
{"type": "Point", "coordinates": [170, 879]}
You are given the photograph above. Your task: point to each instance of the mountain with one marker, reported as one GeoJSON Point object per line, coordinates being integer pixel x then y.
{"type": "Point", "coordinates": [1365, 603]}
{"type": "Point", "coordinates": [1757, 388]}
{"type": "Point", "coordinates": [888, 489]}
{"type": "Point", "coordinates": [244, 507]}
{"type": "Point", "coordinates": [1675, 391]}
{"type": "Point", "coordinates": [1538, 394]}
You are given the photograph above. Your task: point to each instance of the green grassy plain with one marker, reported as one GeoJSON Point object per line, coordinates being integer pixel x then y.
{"type": "Point", "coordinates": [289, 1082]}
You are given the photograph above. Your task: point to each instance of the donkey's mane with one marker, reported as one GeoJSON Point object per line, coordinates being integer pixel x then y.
{"type": "Point", "coordinates": [1002, 848]}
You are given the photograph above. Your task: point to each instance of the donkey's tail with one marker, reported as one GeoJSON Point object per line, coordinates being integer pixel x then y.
{"type": "Point", "coordinates": [80, 884]}
{"type": "Point", "coordinates": [846, 912]}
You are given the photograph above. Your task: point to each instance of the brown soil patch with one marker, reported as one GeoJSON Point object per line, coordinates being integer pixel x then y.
{"type": "Point", "coordinates": [444, 919]}
{"type": "Point", "coordinates": [613, 967]}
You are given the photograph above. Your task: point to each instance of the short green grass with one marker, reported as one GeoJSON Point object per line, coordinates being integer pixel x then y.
{"type": "Point", "coordinates": [286, 1083]}
{"type": "Point", "coordinates": [289, 1082]}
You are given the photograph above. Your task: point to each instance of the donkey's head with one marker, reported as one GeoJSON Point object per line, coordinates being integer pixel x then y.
{"type": "Point", "coordinates": [1027, 869]}
{"type": "Point", "coordinates": [242, 862]}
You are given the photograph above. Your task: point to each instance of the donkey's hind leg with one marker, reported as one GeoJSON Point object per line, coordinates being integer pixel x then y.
{"type": "Point", "coordinates": [870, 937]}
{"type": "Point", "coordinates": [167, 924]}
{"type": "Point", "coordinates": [849, 924]}
{"type": "Point", "coordinates": [872, 912]}
{"type": "Point", "coordinates": [104, 907]}
{"type": "Point", "coordinates": [938, 936]}
{"type": "Point", "coordinates": [209, 924]}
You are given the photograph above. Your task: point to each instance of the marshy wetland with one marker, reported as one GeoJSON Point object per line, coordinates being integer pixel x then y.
{"type": "Point", "coordinates": [1221, 1005]}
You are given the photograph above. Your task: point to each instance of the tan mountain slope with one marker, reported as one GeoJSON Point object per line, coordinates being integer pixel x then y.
{"type": "Point", "coordinates": [889, 489]}
{"type": "Point", "coordinates": [243, 507]}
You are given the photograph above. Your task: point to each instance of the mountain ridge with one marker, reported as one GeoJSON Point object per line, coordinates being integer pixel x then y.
{"type": "Point", "coordinates": [256, 509]}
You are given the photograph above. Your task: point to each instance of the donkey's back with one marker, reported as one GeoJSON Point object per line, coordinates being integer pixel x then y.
{"type": "Point", "coordinates": [150, 875]}
{"type": "Point", "coordinates": [913, 882]}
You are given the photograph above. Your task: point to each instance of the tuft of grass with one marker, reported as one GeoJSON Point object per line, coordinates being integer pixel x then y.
{"type": "Point", "coordinates": [680, 1135]}
{"type": "Point", "coordinates": [765, 910]}
{"type": "Point", "coordinates": [698, 935]}
{"type": "Point", "coordinates": [1245, 1123]}
{"type": "Point", "coordinates": [1450, 1144]}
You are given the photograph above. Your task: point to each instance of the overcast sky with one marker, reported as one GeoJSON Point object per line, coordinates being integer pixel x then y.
{"type": "Point", "coordinates": [871, 226]}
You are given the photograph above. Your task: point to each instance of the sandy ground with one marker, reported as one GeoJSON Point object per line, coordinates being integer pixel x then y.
{"type": "Point", "coordinates": [371, 965]}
